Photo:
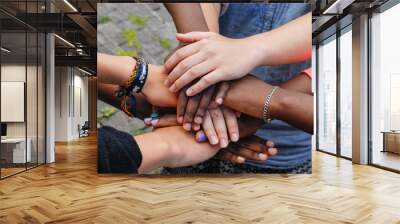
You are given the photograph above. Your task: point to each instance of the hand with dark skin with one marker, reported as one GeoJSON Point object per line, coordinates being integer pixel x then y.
{"type": "Point", "coordinates": [249, 148]}
{"type": "Point", "coordinates": [248, 125]}
{"type": "Point", "coordinates": [294, 107]}
{"type": "Point", "coordinates": [191, 110]}
{"type": "Point", "coordinates": [157, 94]}
{"type": "Point", "coordinates": [245, 149]}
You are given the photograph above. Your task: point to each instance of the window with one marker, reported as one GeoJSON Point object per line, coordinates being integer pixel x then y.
{"type": "Point", "coordinates": [385, 89]}
{"type": "Point", "coordinates": [22, 76]}
{"type": "Point", "coordinates": [346, 92]}
{"type": "Point", "coordinates": [327, 96]}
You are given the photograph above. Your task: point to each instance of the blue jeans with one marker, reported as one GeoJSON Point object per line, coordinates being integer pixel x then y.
{"type": "Point", "coordinates": [246, 19]}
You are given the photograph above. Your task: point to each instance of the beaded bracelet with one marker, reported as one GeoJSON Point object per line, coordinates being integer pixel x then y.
{"type": "Point", "coordinates": [134, 84]}
{"type": "Point", "coordinates": [128, 105]}
{"type": "Point", "coordinates": [266, 116]}
{"type": "Point", "coordinates": [140, 78]}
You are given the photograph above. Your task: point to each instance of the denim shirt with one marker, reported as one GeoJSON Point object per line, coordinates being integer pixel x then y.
{"type": "Point", "coordinates": [241, 20]}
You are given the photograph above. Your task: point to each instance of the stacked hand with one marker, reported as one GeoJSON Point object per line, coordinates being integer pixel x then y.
{"type": "Point", "coordinates": [249, 148]}
{"type": "Point", "coordinates": [203, 62]}
{"type": "Point", "coordinates": [211, 58]}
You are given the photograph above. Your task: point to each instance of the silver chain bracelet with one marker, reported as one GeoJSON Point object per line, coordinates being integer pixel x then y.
{"type": "Point", "coordinates": [266, 116]}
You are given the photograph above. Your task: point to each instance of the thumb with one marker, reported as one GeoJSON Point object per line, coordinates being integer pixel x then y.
{"type": "Point", "coordinates": [166, 120]}
{"type": "Point", "coordinates": [192, 36]}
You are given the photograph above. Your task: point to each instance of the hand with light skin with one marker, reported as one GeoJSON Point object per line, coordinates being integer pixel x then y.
{"type": "Point", "coordinates": [212, 58]}
{"type": "Point", "coordinates": [172, 147]}
{"type": "Point", "coordinates": [288, 105]}
{"type": "Point", "coordinates": [115, 70]}
{"type": "Point", "coordinates": [251, 148]}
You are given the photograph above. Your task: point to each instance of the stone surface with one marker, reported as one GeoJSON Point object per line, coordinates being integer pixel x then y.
{"type": "Point", "coordinates": [158, 26]}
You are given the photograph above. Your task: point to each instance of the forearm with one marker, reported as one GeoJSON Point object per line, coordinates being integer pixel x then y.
{"type": "Point", "coordinates": [107, 94]}
{"type": "Point", "coordinates": [187, 17]}
{"type": "Point", "coordinates": [114, 69]}
{"type": "Point", "coordinates": [290, 43]}
{"type": "Point", "coordinates": [155, 151]}
{"type": "Point", "coordinates": [293, 107]}
{"type": "Point", "coordinates": [248, 125]}
{"type": "Point", "coordinates": [211, 13]}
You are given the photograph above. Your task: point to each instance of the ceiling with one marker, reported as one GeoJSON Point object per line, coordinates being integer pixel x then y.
{"type": "Point", "coordinates": [75, 21]}
{"type": "Point", "coordinates": [72, 20]}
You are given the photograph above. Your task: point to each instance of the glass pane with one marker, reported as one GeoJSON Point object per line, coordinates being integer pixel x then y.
{"type": "Point", "coordinates": [41, 98]}
{"type": "Point", "coordinates": [31, 98]}
{"type": "Point", "coordinates": [13, 87]}
{"type": "Point", "coordinates": [385, 86]}
{"type": "Point", "coordinates": [346, 94]}
{"type": "Point", "coordinates": [327, 96]}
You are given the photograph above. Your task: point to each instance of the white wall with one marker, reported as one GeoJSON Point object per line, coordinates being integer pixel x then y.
{"type": "Point", "coordinates": [70, 83]}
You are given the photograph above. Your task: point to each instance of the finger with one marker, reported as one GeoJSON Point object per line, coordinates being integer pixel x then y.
{"type": "Point", "coordinates": [219, 125]}
{"type": "Point", "coordinates": [222, 90]}
{"type": "Point", "coordinates": [181, 106]}
{"type": "Point", "coordinates": [205, 81]}
{"type": "Point", "coordinates": [181, 54]}
{"type": "Point", "coordinates": [201, 136]}
{"type": "Point", "coordinates": [166, 120]}
{"type": "Point", "coordinates": [196, 127]}
{"type": "Point", "coordinates": [183, 66]}
{"type": "Point", "coordinates": [192, 36]}
{"type": "Point", "coordinates": [193, 73]}
{"type": "Point", "coordinates": [209, 129]}
{"type": "Point", "coordinates": [204, 102]}
{"type": "Point", "coordinates": [247, 153]}
{"type": "Point", "coordinates": [190, 111]}
{"type": "Point", "coordinates": [228, 156]}
{"type": "Point", "coordinates": [270, 144]}
{"type": "Point", "coordinates": [254, 146]}
{"type": "Point", "coordinates": [272, 151]}
{"type": "Point", "coordinates": [231, 124]}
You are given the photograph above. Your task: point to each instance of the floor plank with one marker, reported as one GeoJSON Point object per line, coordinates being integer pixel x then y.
{"type": "Point", "coordinates": [70, 191]}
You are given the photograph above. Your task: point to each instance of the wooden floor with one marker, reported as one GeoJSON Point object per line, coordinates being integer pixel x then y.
{"type": "Point", "coordinates": [70, 191]}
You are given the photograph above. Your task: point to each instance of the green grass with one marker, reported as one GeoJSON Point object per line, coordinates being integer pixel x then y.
{"type": "Point", "coordinates": [165, 43]}
{"type": "Point", "coordinates": [121, 52]}
{"type": "Point", "coordinates": [105, 114]}
{"type": "Point", "coordinates": [131, 38]}
{"type": "Point", "coordinates": [105, 19]}
{"type": "Point", "coordinates": [142, 130]}
{"type": "Point", "coordinates": [137, 20]}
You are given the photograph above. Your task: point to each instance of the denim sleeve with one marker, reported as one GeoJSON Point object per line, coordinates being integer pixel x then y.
{"type": "Point", "coordinates": [118, 152]}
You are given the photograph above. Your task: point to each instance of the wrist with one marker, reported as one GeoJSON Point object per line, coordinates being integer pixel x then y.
{"type": "Point", "coordinates": [258, 50]}
{"type": "Point", "coordinates": [278, 103]}
{"type": "Point", "coordinates": [155, 151]}
{"type": "Point", "coordinates": [170, 152]}
{"type": "Point", "coordinates": [125, 67]}
{"type": "Point", "coordinates": [152, 70]}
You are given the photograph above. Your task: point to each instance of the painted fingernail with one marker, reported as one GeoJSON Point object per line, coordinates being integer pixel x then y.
{"type": "Point", "coordinates": [262, 156]}
{"type": "Point", "coordinates": [213, 140]}
{"type": "Point", "coordinates": [198, 120]}
{"type": "Point", "coordinates": [202, 137]}
{"type": "Point", "coordinates": [147, 120]}
{"type": "Point", "coordinates": [172, 88]}
{"type": "Point", "coordinates": [219, 101]}
{"type": "Point", "coordinates": [154, 122]}
{"type": "Point", "coordinates": [196, 127]}
{"type": "Point", "coordinates": [189, 92]}
{"type": "Point", "coordinates": [241, 159]}
{"type": "Point", "coordinates": [235, 137]}
{"type": "Point", "coordinates": [166, 82]}
{"type": "Point", "coordinates": [180, 120]}
{"type": "Point", "coordinates": [187, 126]}
{"type": "Point", "coordinates": [224, 143]}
